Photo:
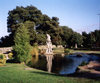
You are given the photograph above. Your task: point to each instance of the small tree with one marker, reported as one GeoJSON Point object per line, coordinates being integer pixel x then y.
{"type": "Point", "coordinates": [22, 45]}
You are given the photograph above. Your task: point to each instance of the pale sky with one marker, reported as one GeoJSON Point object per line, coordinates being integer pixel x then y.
{"type": "Point", "coordinates": [80, 15]}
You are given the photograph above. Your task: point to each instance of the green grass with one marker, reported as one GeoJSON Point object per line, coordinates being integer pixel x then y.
{"type": "Point", "coordinates": [61, 50]}
{"type": "Point", "coordinates": [16, 73]}
{"type": "Point", "coordinates": [86, 51]}
{"type": "Point", "coordinates": [58, 50]}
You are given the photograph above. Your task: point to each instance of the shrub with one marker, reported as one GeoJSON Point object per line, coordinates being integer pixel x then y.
{"type": "Point", "coordinates": [66, 51]}
{"type": "Point", "coordinates": [10, 55]}
{"type": "Point", "coordinates": [42, 51]}
{"type": "Point", "coordinates": [1, 56]}
{"type": "Point", "coordinates": [35, 52]}
{"type": "Point", "coordinates": [2, 59]}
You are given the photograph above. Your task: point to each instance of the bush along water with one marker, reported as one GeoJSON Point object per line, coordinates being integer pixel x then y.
{"type": "Point", "coordinates": [2, 59]}
{"type": "Point", "coordinates": [67, 51]}
{"type": "Point", "coordinates": [10, 55]}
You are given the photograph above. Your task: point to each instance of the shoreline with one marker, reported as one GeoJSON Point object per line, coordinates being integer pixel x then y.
{"type": "Point", "coordinates": [91, 70]}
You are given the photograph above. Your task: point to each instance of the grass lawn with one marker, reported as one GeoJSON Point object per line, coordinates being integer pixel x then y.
{"type": "Point", "coordinates": [19, 73]}
{"type": "Point", "coordinates": [86, 51]}
{"type": "Point", "coordinates": [61, 50]}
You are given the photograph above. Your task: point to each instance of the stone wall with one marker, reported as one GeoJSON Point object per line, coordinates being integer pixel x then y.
{"type": "Point", "coordinates": [5, 49]}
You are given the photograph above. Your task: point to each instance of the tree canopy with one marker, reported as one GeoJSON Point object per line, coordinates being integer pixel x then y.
{"type": "Point", "coordinates": [36, 22]}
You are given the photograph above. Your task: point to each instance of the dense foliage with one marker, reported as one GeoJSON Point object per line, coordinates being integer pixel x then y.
{"type": "Point", "coordinates": [91, 39]}
{"type": "Point", "coordinates": [7, 41]}
{"type": "Point", "coordinates": [37, 23]}
{"type": "Point", "coordinates": [22, 46]}
{"type": "Point", "coordinates": [2, 59]}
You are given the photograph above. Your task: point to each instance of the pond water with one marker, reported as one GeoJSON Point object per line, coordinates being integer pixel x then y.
{"type": "Point", "coordinates": [67, 64]}
{"type": "Point", "coordinates": [70, 63]}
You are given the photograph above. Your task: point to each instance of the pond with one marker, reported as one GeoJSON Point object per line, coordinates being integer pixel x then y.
{"type": "Point", "coordinates": [67, 64]}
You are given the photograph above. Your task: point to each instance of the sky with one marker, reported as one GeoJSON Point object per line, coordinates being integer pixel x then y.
{"type": "Point", "coordinates": [80, 15]}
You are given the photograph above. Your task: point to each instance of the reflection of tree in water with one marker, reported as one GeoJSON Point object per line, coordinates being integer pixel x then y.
{"type": "Point", "coordinates": [59, 62]}
{"type": "Point", "coordinates": [34, 59]}
{"type": "Point", "coordinates": [41, 63]}
{"type": "Point", "coordinates": [34, 54]}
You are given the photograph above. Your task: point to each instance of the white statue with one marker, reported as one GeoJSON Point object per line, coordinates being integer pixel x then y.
{"type": "Point", "coordinates": [48, 37]}
{"type": "Point", "coordinates": [49, 53]}
{"type": "Point", "coordinates": [49, 45]}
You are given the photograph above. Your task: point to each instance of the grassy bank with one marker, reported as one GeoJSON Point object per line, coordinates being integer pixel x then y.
{"type": "Point", "coordinates": [86, 51]}
{"type": "Point", "coordinates": [61, 50]}
{"type": "Point", "coordinates": [19, 73]}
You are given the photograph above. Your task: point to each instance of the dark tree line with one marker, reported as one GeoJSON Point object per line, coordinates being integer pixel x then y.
{"type": "Point", "coordinates": [7, 41]}
{"type": "Point", "coordinates": [91, 39]}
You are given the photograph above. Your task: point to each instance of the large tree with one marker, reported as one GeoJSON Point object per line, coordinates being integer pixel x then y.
{"type": "Point", "coordinates": [66, 35]}
{"type": "Point", "coordinates": [36, 22]}
{"type": "Point", "coordinates": [21, 15]}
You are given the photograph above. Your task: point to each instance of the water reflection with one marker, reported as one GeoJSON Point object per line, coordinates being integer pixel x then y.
{"type": "Point", "coordinates": [67, 64]}
{"type": "Point", "coordinates": [71, 67]}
